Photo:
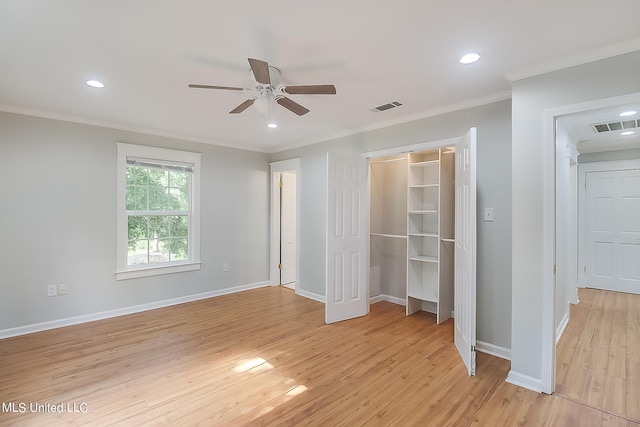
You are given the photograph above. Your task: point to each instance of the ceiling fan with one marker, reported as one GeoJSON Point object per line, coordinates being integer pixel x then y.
{"type": "Point", "coordinates": [266, 86]}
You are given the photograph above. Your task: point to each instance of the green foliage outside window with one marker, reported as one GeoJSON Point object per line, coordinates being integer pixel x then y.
{"type": "Point", "coordinates": [157, 204]}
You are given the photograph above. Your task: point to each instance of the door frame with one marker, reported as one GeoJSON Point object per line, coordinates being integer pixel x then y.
{"type": "Point", "coordinates": [405, 149]}
{"type": "Point", "coordinates": [548, 347]}
{"type": "Point", "coordinates": [274, 255]}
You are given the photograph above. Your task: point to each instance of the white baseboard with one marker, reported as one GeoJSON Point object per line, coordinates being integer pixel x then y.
{"type": "Point", "coordinates": [387, 298]}
{"type": "Point", "coordinates": [561, 327]}
{"type": "Point", "coordinates": [525, 381]}
{"type": "Point", "coordinates": [494, 350]}
{"type": "Point", "coordinates": [310, 295]}
{"type": "Point", "coordinates": [69, 321]}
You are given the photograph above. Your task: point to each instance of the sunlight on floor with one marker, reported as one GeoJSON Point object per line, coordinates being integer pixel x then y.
{"type": "Point", "coordinates": [284, 388]}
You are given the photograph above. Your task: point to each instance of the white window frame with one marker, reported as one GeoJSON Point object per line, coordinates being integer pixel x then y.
{"type": "Point", "coordinates": [124, 271]}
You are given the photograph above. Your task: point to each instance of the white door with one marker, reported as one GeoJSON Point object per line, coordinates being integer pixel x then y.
{"type": "Point", "coordinates": [288, 228]}
{"type": "Point", "coordinates": [613, 230]}
{"type": "Point", "coordinates": [465, 251]}
{"type": "Point", "coordinates": [346, 279]}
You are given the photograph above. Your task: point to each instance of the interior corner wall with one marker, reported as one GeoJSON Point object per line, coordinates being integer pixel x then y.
{"type": "Point", "coordinates": [615, 76]}
{"type": "Point", "coordinates": [493, 123]}
{"type": "Point", "coordinates": [58, 221]}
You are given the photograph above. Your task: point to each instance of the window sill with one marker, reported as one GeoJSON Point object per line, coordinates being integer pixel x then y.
{"type": "Point", "coordinates": [156, 270]}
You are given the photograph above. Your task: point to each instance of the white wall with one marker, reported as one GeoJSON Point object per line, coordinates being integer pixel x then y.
{"type": "Point", "coordinates": [58, 221]}
{"type": "Point", "coordinates": [493, 122]}
{"type": "Point", "coordinates": [531, 97]}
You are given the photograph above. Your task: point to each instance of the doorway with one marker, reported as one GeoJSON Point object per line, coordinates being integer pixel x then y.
{"type": "Point", "coordinates": [552, 262]}
{"type": "Point", "coordinates": [285, 223]}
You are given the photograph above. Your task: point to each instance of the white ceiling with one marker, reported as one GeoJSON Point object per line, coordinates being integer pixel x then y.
{"type": "Point", "coordinates": [147, 51]}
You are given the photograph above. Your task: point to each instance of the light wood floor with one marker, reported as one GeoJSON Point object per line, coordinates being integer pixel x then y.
{"type": "Point", "coordinates": [598, 357]}
{"type": "Point", "coordinates": [265, 357]}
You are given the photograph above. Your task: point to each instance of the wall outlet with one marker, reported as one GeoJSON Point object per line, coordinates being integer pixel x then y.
{"type": "Point", "coordinates": [52, 290]}
{"type": "Point", "coordinates": [62, 289]}
{"type": "Point", "coordinates": [225, 266]}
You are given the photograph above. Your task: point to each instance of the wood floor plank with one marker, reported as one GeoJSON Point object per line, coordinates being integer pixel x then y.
{"type": "Point", "coordinates": [598, 357]}
{"type": "Point", "coordinates": [266, 357]}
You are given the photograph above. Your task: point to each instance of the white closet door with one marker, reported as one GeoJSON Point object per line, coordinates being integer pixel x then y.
{"type": "Point", "coordinates": [346, 278]}
{"type": "Point", "coordinates": [288, 228]}
{"type": "Point", "coordinates": [465, 250]}
{"type": "Point", "coordinates": [613, 230]}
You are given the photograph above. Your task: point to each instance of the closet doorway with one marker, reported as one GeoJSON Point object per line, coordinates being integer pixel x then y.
{"type": "Point", "coordinates": [406, 251]}
{"type": "Point", "coordinates": [284, 223]}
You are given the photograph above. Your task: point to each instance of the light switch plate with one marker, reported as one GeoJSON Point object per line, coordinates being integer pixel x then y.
{"type": "Point", "coordinates": [488, 214]}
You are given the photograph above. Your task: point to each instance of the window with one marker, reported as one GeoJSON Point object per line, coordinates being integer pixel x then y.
{"type": "Point", "coordinates": [158, 211]}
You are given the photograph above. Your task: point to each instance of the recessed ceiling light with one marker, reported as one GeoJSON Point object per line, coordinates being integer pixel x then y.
{"type": "Point", "coordinates": [469, 58]}
{"type": "Point", "coordinates": [95, 83]}
{"type": "Point", "coordinates": [628, 132]}
{"type": "Point", "coordinates": [272, 125]}
{"type": "Point", "coordinates": [628, 113]}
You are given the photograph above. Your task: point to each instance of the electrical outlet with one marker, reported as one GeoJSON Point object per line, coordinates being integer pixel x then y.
{"type": "Point", "coordinates": [225, 266]}
{"type": "Point", "coordinates": [62, 289]}
{"type": "Point", "coordinates": [52, 290]}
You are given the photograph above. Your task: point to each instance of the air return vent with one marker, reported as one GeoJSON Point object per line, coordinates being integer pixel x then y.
{"type": "Point", "coordinates": [612, 126]}
{"type": "Point", "coordinates": [386, 107]}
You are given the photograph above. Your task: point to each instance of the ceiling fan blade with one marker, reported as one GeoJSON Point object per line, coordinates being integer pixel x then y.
{"type": "Point", "coordinates": [260, 71]}
{"type": "Point", "coordinates": [292, 106]}
{"type": "Point", "coordinates": [310, 90]}
{"type": "Point", "coordinates": [215, 87]}
{"type": "Point", "coordinates": [240, 108]}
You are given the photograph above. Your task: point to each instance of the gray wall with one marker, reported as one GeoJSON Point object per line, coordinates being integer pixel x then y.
{"type": "Point", "coordinates": [531, 98]}
{"type": "Point", "coordinates": [493, 122]}
{"type": "Point", "coordinates": [58, 222]}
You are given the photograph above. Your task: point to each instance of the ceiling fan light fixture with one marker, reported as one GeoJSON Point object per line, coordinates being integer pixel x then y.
{"type": "Point", "coordinates": [95, 83]}
{"type": "Point", "coordinates": [469, 58]}
{"type": "Point", "coordinates": [628, 113]}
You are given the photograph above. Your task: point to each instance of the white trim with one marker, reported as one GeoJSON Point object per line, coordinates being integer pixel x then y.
{"type": "Point", "coordinates": [44, 326]}
{"type": "Point", "coordinates": [500, 96]}
{"type": "Point", "coordinates": [157, 270]}
{"type": "Point", "coordinates": [472, 103]}
{"type": "Point", "coordinates": [522, 380]}
{"type": "Point", "coordinates": [562, 326]}
{"type": "Point", "coordinates": [388, 298]}
{"type": "Point", "coordinates": [548, 212]}
{"type": "Point", "coordinates": [494, 350]}
{"type": "Point", "coordinates": [311, 295]}
{"type": "Point", "coordinates": [124, 150]}
{"type": "Point", "coordinates": [422, 146]}
{"type": "Point", "coordinates": [274, 168]}
{"type": "Point", "coordinates": [572, 61]}
{"type": "Point", "coordinates": [126, 127]}
{"type": "Point", "coordinates": [548, 380]}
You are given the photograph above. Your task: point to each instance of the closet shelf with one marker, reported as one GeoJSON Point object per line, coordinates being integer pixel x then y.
{"type": "Point", "coordinates": [423, 295]}
{"type": "Point", "coordinates": [422, 212]}
{"type": "Point", "coordinates": [393, 236]}
{"type": "Point", "coordinates": [424, 186]}
{"type": "Point", "coordinates": [421, 234]}
{"type": "Point", "coordinates": [424, 258]}
{"type": "Point", "coordinates": [424, 164]}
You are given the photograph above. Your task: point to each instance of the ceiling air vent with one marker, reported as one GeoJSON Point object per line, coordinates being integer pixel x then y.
{"type": "Point", "coordinates": [608, 127]}
{"type": "Point", "coordinates": [386, 107]}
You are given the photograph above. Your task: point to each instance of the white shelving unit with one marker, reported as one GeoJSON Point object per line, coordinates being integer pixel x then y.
{"type": "Point", "coordinates": [430, 233]}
